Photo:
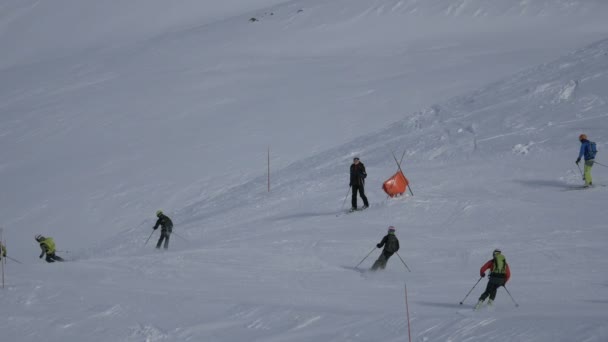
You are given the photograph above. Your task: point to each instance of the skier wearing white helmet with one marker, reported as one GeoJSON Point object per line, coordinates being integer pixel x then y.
{"type": "Point", "coordinates": [391, 246]}
{"type": "Point", "coordinates": [166, 228]}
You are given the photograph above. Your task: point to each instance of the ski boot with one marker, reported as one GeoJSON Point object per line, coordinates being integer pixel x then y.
{"type": "Point", "coordinates": [478, 305]}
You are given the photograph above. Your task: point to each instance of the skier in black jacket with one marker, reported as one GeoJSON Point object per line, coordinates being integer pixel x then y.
{"type": "Point", "coordinates": [357, 183]}
{"type": "Point", "coordinates": [166, 227]}
{"type": "Point", "coordinates": [391, 246]}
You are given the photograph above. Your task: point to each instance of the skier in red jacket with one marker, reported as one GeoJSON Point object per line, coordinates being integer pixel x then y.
{"type": "Point", "coordinates": [499, 276]}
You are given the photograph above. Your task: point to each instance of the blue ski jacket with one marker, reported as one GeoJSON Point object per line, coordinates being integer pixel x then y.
{"type": "Point", "coordinates": [584, 152]}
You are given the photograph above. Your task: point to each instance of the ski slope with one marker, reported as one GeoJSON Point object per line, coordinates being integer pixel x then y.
{"type": "Point", "coordinates": [102, 126]}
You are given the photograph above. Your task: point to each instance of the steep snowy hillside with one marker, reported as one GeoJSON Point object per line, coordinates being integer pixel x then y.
{"type": "Point", "coordinates": [35, 31]}
{"type": "Point", "coordinates": [108, 112]}
{"type": "Point", "coordinates": [532, 119]}
{"type": "Point", "coordinates": [279, 267]}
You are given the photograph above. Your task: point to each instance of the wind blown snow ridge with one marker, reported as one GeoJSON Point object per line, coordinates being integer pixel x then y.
{"type": "Point", "coordinates": [538, 106]}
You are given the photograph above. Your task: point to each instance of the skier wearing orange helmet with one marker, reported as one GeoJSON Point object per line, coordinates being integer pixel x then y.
{"type": "Point", "coordinates": [587, 151]}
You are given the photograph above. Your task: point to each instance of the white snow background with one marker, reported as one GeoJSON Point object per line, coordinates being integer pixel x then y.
{"type": "Point", "coordinates": [110, 110]}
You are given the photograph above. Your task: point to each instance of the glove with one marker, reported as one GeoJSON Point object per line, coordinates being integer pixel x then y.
{"type": "Point", "coordinates": [578, 160]}
{"type": "Point", "coordinates": [350, 184]}
{"type": "Point", "coordinates": [482, 275]}
{"type": "Point", "coordinates": [155, 228]}
{"type": "Point", "coordinates": [40, 257]}
{"type": "Point", "coordinates": [379, 246]}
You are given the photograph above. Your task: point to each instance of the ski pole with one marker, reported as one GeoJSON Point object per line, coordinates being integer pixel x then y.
{"type": "Point", "coordinates": [179, 236]}
{"type": "Point", "coordinates": [368, 254]}
{"type": "Point", "coordinates": [600, 164]}
{"type": "Point", "coordinates": [514, 302]}
{"type": "Point", "coordinates": [149, 237]}
{"type": "Point", "coordinates": [15, 260]}
{"type": "Point", "coordinates": [404, 264]}
{"type": "Point", "coordinates": [579, 169]}
{"type": "Point", "coordinates": [345, 197]}
{"type": "Point", "coordinates": [465, 297]}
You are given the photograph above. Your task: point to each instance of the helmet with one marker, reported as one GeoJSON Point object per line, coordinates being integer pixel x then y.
{"type": "Point", "coordinates": [159, 212]}
{"type": "Point", "coordinates": [582, 137]}
{"type": "Point", "coordinates": [496, 251]}
{"type": "Point", "coordinates": [39, 237]}
{"type": "Point", "coordinates": [391, 229]}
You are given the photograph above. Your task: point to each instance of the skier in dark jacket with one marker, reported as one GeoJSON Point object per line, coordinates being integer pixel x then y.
{"type": "Point", "coordinates": [166, 228]}
{"type": "Point", "coordinates": [357, 183]}
{"type": "Point", "coordinates": [47, 245]}
{"type": "Point", "coordinates": [499, 276]}
{"type": "Point", "coordinates": [391, 246]}
{"type": "Point", "coordinates": [585, 152]}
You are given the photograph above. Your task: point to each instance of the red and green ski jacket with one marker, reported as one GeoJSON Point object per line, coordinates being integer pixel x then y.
{"type": "Point", "coordinates": [490, 266]}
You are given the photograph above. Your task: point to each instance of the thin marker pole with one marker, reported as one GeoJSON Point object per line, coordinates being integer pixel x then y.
{"type": "Point", "coordinates": [3, 259]}
{"type": "Point", "coordinates": [407, 308]}
{"type": "Point", "coordinates": [399, 166]}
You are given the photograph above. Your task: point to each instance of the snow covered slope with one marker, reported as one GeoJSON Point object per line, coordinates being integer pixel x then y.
{"type": "Point", "coordinates": [179, 117]}
{"type": "Point", "coordinates": [103, 125]}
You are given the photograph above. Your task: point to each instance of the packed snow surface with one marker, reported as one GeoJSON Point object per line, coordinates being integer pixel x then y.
{"type": "Point", "coordinates": [111, 110]}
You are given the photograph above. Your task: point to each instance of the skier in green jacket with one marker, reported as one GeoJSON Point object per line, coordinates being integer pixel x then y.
{"type": "Point", "coordinates": [47, 245]}
{"type": "Point", "coordinates": [500, 272]}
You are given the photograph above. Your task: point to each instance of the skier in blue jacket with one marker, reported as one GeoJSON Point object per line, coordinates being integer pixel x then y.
{"type": "Point", "coordinates": [586, 152]}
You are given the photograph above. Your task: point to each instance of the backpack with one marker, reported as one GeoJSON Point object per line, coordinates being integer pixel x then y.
{"type": "Point", "coordinates": [500, 264]}
{"type": "Point", "coordinates": [392, 244]}
{"type": "Point", "coordinates": [591, 150]}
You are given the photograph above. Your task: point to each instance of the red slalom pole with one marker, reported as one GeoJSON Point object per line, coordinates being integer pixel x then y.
{"type": "Point", "coordinates": [407, 308]}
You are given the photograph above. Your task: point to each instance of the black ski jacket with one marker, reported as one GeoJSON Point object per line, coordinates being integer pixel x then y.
{"type": "Point", "coordinates": [390, 243]}
{"type": "Point", "coordinates": [357, 174]}
{"type": "Point", "coordinates": [164, 222]}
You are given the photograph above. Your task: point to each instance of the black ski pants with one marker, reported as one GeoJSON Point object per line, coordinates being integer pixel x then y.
{"type": "Point", "coordinates": [52, 258]}
{"type": "Point", "coordinates": [493, 284]}
{"type": "Point", "coordinates": [361, 190]}
{"type": "Point", "coordinates": [382, 260]}
{"type": "Point", "coordinates": [164, 235]}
